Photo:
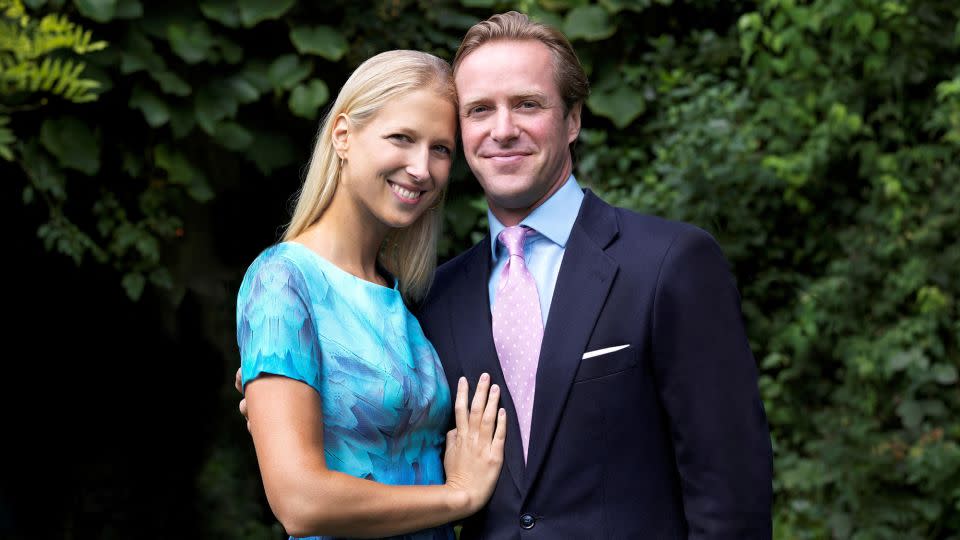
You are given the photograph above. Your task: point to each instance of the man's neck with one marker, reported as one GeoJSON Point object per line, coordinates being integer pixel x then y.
{"type": "Point", "coordinates": [513, 216]}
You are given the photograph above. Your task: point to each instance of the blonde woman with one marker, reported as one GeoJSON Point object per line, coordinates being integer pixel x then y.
{"type": "Point", "coordinates": [346, 399]}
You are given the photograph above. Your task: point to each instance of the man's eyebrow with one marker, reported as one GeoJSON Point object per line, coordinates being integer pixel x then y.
{"type": "Point", "coordinates": [539, 96]}
{"type": "Point", "coordinates": [471, 104]}
{"type": "Point", "coordinates": [523, 96]}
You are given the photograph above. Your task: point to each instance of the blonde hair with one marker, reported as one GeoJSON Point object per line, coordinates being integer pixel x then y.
{"type": "Point", "coordinates": [569, 76]}
{"type": "Point", "coordinates": [410, 253]}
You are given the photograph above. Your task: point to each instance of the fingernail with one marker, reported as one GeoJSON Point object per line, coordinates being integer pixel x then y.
{"type": "Point", "coordinates": [462, 380]}
{"type": "Point", "coordinates": [494, 388]}
{"type": "Point", "coordinates": [484, 377]}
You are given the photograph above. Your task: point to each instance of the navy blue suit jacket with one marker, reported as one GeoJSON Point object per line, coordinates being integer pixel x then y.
{"type": "Point", "coordinates": [664, 439]}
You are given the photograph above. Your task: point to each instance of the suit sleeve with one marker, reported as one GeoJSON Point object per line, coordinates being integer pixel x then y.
{"type": "Point", "coordinates": [436, 322]}
{"type": "Point", "coordinates": [707, 378]}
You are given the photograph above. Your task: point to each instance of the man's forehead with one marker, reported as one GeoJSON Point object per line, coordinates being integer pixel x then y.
{"type": "Point", "coordinates": [481, 90]}
{"type": "Point", "coordinates": [510, 68]}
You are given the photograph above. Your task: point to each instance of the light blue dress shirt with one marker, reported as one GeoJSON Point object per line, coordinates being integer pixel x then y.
{"type": "Point", "coordinates": [543, 251]}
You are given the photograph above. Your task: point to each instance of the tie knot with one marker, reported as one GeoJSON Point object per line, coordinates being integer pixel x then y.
{"type": "Point", "coordinates": [513, 238]}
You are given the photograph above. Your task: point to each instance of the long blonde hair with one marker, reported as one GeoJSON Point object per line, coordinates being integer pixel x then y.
{"type": "Point", "coordinates": [410, 253]}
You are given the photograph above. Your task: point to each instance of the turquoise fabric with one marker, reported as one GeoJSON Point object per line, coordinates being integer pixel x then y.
{"type": "Point", "coordinates": [386, 404]}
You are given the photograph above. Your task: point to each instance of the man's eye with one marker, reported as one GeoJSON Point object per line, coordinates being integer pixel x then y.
{"type": "Point", "coordinates": [528, 104]}
{"type": "Point", "coordinates": [478, 109]}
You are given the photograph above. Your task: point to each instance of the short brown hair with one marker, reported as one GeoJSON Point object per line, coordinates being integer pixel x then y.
{"type": "Point", "coordinates": [512, 26]}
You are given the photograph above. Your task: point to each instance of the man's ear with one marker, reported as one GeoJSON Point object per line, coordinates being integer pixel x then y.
{"type": "Point", "coordinates": [573, 122]}
{"type": "Point", "coordinates": [341, 135]}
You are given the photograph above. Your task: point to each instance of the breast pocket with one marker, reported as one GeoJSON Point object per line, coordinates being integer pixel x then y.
{"type": "Point", "coordinates": [600, 363]}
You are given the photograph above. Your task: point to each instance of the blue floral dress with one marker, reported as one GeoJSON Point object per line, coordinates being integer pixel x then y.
{"type": "Point", "coordinates": [385, 400]}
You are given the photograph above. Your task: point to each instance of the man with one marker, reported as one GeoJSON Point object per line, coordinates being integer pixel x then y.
{"type": "Point", "coordinates": [630, 388]}
{"type": "Point", "coordinates": [637, 414]}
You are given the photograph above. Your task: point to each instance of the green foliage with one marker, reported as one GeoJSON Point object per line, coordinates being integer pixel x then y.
{"type": "Point", "coordinates": [320, 40]}
{"type": "Point", "coordinates": [6, 139]}
{"type": "Point", "coordinates": [818, 141]}
{"type": "Point", "coordinates": [823, 154]}
{"type": "Point", "coordinates": [25, 61]}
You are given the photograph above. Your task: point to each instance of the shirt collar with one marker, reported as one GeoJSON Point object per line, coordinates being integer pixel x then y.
{"type": "Point", "coordinates": [553, 219]}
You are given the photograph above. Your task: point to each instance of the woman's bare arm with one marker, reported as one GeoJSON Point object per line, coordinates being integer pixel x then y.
{"type": "Point", "coordinates": [285, 419]}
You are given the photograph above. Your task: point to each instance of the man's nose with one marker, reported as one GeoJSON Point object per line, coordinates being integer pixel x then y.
{"type": "Point", "coordinates": [504, 128]}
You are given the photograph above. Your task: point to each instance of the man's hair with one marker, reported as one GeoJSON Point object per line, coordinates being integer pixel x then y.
{"type": "Point", "coordinates": [568, 73]}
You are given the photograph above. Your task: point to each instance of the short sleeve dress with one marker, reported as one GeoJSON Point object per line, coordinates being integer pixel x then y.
{"type": "Point", "coordinates": [386, 404]}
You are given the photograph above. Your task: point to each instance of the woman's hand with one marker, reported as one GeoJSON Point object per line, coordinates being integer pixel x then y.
{"type": "Point", "coordinates": [475, 447]}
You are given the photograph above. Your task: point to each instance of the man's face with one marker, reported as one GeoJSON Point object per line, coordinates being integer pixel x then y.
{"type": "Point", "coordinates": [515, 133]}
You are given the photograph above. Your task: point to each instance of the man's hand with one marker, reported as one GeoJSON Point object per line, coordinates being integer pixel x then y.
{"type": "Point", "coordinates": [238, 384]}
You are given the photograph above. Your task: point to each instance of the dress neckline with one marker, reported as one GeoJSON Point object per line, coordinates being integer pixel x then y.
{"type": "Point", "coordinates": [327, 264]}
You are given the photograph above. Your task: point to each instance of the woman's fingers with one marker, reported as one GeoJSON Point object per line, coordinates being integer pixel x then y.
{"type": "Point", "coordinates": [479, 402]}
{"type": "Point", "coordinates": [487, 422]}
{"type": "Point", "coordinates": [500, 435]}
{"type": "Point", "coordinates": [451, 439]}
{"type": "Point", "coordinates": [483, 421]}
{"type": "Point", "coordinates": [460, 405]}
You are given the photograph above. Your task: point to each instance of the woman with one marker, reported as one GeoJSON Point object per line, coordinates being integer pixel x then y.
{"type": "Point", "coordinates": [346, 399]}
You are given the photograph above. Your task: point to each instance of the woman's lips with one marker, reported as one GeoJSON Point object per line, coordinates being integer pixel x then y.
{"type": "Point", "coordinates": [405, 194]}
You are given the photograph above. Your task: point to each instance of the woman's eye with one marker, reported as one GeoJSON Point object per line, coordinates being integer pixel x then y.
{"type": "Point", "coordinates": [442, 149]}
{"type": "Point", "coordinates": [400, 137]}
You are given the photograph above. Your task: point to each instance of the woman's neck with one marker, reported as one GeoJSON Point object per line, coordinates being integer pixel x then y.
{"type": "Point", "coordinates": [349, 237]}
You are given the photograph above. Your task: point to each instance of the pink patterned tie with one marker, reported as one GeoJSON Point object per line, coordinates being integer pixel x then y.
{"type": "Point", "coordinates": [518, 328]}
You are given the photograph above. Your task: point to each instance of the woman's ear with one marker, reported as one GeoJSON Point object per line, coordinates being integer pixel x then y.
{"type": "Point", "coordinates": [341, 135]}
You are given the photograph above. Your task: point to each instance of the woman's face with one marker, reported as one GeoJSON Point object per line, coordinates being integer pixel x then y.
{"type": "Point", "coordinates": [396, 166]}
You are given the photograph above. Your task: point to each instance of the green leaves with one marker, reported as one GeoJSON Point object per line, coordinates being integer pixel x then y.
{"type": "Point", "coordinates": [613, 97]}
{"type": "Point", "coordinates": [271, 151]}
{"type": "Point", "coordinates": [287, 71]}
{"type": "Point", "coordinates": [945, 374]}
{"type": "Point", "coordinates": [6, 139]}
{"type": "Point", "coordinates": [154, 109]}
{"type": "Point", "coordinates": [180, 171]}
{"type": "Point", "coordinates": [621, 104]}
{"type": "Point", "coordinates": [98, 10]}
{"type": "Point", "coordinates": [319, 40]}
{"type": "Point", "coordinates": [104, 10]}
{"type": "Point", "coordinates": [226, 12]}
{"type": "Point", "coordinates": [252, 12]}
{"type": "Point", "coordinates": [306, 99]}
{"type": "Point", "coordinates": [191, 42]}
{"type": "Point", "coordinates": [590, 23]}
{"type": "Point", "coordinates": [74, 144]}
{"type": "Point", "coordinates": [233, 136]}
{"type": "Point", "coordinates": [214, 102]}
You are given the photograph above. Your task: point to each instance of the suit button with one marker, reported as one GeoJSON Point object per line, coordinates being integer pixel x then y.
{"type": "Point", "coordinates": [527, 521]}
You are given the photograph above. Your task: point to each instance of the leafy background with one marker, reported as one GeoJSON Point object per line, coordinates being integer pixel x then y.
{"type": "Point", "coordinates": [149, 151]}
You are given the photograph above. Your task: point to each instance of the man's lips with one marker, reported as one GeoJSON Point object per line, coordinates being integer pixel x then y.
{"type": "Point", "coordinates": [505, 157]}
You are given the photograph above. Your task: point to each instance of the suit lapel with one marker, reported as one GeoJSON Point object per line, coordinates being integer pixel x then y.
{"type": "Point", "coordinates": [477, 352]}
{"type": "Point", "coordinates": [586, 274]}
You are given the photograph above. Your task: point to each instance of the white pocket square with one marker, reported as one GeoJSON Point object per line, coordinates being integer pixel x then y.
{"type": "Point", "coordinates": [608, 350]}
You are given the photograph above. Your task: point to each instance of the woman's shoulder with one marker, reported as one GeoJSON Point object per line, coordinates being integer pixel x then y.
{"type": "Point", "coordinates": [285, 267]}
